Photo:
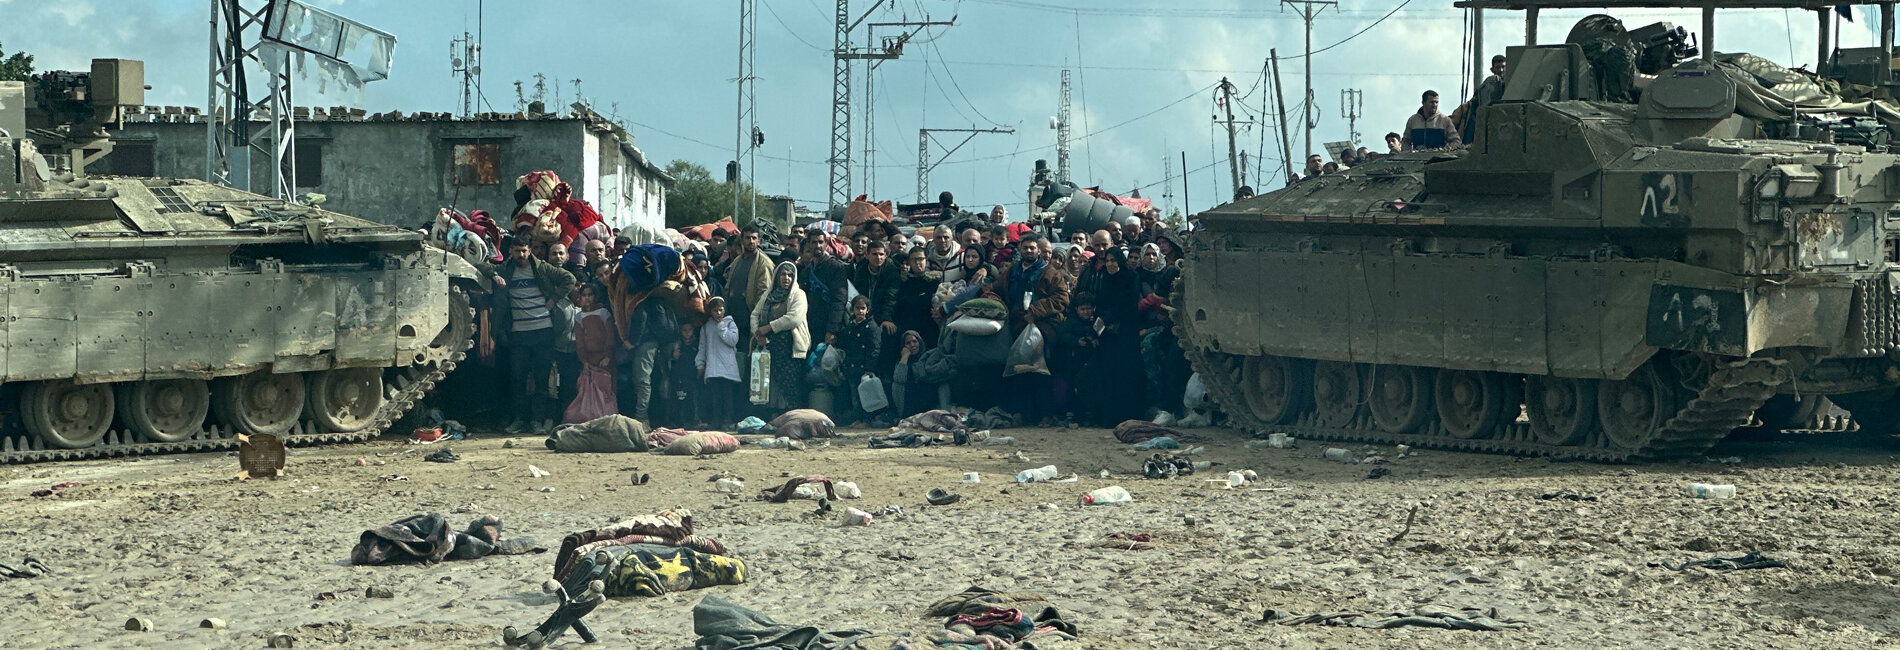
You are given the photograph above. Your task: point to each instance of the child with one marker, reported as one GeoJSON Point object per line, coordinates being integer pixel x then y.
{"type": "Point", "coordinates": [718, 363]}
{"type": "Point", "coordinates": [594, 346]}
{"type": "Point", "coordinates": [859, 341]}
{"type": "Point", "coordinates": [1072, 359]}
{"type": "Point", "coordinates": [683, 380]}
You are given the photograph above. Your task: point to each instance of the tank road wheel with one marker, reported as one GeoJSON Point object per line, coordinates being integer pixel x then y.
{"type": "Point", "coordinates": [1276, 388]}
{"type": "Point", "coordinates": [1563, 410]}
{"type": "Point", "coordinates": [259, 402]}
{"type": "Point", "coordinates": [1472, 403]}
{"type": "Point", "coordinates": [164, 410]}
{"type": "Point", "coordinates": [1338, 392]}
{"type": "Point", "coordinates": [345, 400]}
{"type": "Point", "coordinates": [1401, 398]}
{"type": "Point", "coordinates": [1633, 410]}
{"type": "Point", "coordinates": [67, 415]}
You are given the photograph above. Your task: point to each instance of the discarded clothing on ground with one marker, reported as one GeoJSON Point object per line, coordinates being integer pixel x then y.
{"type": "Point", "coordinates": [753, 425]}
{"type": "Point", "coordinates": [30, 567]}
{"type": "Point", "coordinates": [933, 421]}
{"type": "Point", "coordinates": [1132, 431]}
{"type": "Point", "coordinates": [909, 438]}
{"type": "Point", "coordinates": [607, 434]}
{"type": "Point", "coordinates": [1469, 618]}
{"type": "Point", "coordinates": [976, 600]}
{"type": "Point", "coordinates": [443, 455]}
{"type": "Point", "coordinates": [665, 528]}
{"type": "Point", "coordinates": [702, 443]}
{"type": "Point", "coordinates": [1166, 465]}
{"type": "Point", "coordinates": [723, 625]}
{"type": "Point", "coordinates": [1162, 442]}
{"type": "Point", "coordinates": [804, 424]}
{"type": "Point", "coordinates": [789, 490]}
{"type": "Point", "coordinates": [1753, 560]}
{"type": "Point", "coordinates": [649, 570]}
{"type": "Point", "coordinates": [995, 418]}
{"type": "Point", "coordinates": [427, 538]}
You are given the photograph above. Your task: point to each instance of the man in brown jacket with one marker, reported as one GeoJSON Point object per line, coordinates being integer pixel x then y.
{"type": "Point", "coordinates": [1037, 294]}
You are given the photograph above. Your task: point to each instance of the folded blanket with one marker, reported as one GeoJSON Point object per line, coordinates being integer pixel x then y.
{"type": "Point", "coordinates": [648, 570]}
{"type": "Point", "coordinates": [1140, 430]}
{"type": "Point", "coordinates": [723, 625]}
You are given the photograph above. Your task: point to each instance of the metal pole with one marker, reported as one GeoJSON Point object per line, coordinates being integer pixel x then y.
{"type": "Point", "coordinates": [1477, 51]}
{"type": "Point", "coordinates": [1286, 144]}
{"type": "Point", "coordinates": [1530, 26]}
{"type": "Point", "coordinates": [1187, 204]}
{"type": "Point", "coordinates": [1227, 94]}
{"type": "Point", "coordinates": [1306, 112]}
{"type": "Point", "coordinates": [1826, 35]}
{"type": "Point", "coordinates": [1708, 30]}
{"type": "Point", "coordinates": [1886, 41]}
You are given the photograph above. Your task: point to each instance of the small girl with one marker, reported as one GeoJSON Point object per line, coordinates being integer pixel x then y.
{"type": "Point", "coordinates": [594, 345]}
{"type": "Point", "coordinates": [859, 341]}
{"type": "Point", "coordinates": [718, 364]}
{"type": "Point", "coordinates": [683, 380]}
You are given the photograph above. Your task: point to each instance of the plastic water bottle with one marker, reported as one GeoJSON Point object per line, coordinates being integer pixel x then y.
{"type": "Point", "coordinates": [1338, 455]}
{"type": "Point", "coordinates": [1043, 473]}
{"type": "Point", "coordinates": [774, 443]}
{"type": "Point", "coordinates": [999, 440]}
{"type": "Point", "coordinates": [1107, 495]}
{"type": "Point", "coordinates": [1711, 491]}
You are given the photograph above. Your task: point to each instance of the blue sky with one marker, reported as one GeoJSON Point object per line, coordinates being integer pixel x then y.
{"type": "Point", "coordinates": [1144, 73]}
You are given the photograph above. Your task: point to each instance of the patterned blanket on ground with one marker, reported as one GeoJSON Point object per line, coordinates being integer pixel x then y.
{"type": "Point", "coordinates": [650, 570]}
{"type": "Point", "coordinates": [666, 528]}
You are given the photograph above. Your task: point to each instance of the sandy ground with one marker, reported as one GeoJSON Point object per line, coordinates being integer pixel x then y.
{"type": "Point", "coordinates": [175, 540]}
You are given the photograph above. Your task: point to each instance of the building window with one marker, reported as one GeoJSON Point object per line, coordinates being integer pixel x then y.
{"type": "Point", "coordinates": [130, 159]}
{"type": "Point", "coordinates": [477, 164]}
{"type": "Point", "coordinates": [309, 163]}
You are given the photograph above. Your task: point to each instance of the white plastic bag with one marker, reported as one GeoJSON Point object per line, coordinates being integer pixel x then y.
{"type": "Point", "coordinates": [761, 376]}
{"type": "Point", "coordinates": [871, 394]}
{"type": "Point", "coordinates": [1025, 355]}
{"type": "Point", "coordinates": [1196, 396]}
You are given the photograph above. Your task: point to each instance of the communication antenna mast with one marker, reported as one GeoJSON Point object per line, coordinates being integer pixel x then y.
{"type": "Point", "coordinates": [1062, 130]}
{"type": "Point", "coordinates": [1352, 105]}
{"type": "Point", "coordinates": [465, 60]}
{"type": "Point", "coordinates": [746, 137]}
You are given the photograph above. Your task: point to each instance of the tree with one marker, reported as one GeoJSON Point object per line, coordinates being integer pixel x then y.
{"type": "Point", "coordinates": [698, 197]}
{"type": "Point", "coordinates": [18, 67]}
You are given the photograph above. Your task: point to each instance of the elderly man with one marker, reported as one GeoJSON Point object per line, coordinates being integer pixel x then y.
{"type": "Point", "coordinates": [970, 237]}
{"type": "Point", "coordinates": [1430, 124]}
{"type": "Point", "coordinates": [942, 254]}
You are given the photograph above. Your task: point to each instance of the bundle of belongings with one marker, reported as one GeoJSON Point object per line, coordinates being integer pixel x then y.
{"type": "Point", "coordinates": [427, 539]}
{"type": "Point", "coordinates": [1166, 465]}
{"type": "Point", "coordinates": [926, 429]}
{"type": "Point", "coordinates": [982, 619]}
{"type": "Point", "coordinates": [474, 236]}
{"type": "Point", "coordinates": [789, 490]}
{"type": "Point", "coordinates": [648, 555]}
{"type": "Point", "coordinates": [680, 442]}
{"type": "Point", "coordinates": [723, 625]}
{"type": "Point", "coordinates": [1132, 431]}
{"type": "Point", "coordinates": [547, 207]}
{"type": "Point", "coordinates": [995, 418]}
{"type": "Point", "coordinates": [804, 424]}
{"type": "Point", "coordinates": [609, 434]}
{"type": "Point", "coordinates": [862, 211]}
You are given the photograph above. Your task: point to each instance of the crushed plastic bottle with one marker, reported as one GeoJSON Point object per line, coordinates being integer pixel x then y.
{"type": "Point", "coordinates": [1044, 473]}
{"type": "Point", "coordinates": [1107, 495]}
{"type": "Point", "coordinates": [1710, 491]}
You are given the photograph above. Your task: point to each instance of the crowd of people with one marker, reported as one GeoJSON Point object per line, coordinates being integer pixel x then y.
{"type": "Point", "coordinates": [870, 326]}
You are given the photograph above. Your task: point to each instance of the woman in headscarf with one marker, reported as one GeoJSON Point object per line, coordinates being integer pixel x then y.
{"type": "Point", "coordinates": [1152, 271]}
{"type": "Point", "coordinates": [778, 324]}
{"type": "Point", "coordinates": [1078, 261]}
{"type": "Point", "coordinates": [964, 281]}
{"type": "Point", "coordinates": [1117, 305]}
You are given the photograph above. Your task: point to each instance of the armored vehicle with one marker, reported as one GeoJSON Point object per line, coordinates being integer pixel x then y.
{"type": "Point", "coordinates": [146, 315]}
{"type": "Point", "coordinates": [1645, 244]}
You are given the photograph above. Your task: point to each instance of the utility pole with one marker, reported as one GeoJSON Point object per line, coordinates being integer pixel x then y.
{"type": "Point", "coordinates": [746, 136]}
{"type": "Point", "coordinates": [1308, 10]}
{"type": "Point", "coordinates": [1352, 105]}
{"type": "Point", "coordinates": [1226, 101]}
{"type": "Point", "coordinates": [1187, 202]}
{"type": "Point", "coordinates": [842, 55]}
{"type": "Point", "coordinates": [924, 165]}
{"type": "Point", "coordinates": [1062, 130]}
{"type": "Point", "coordinates": [1286, 144]}
{"type": "Point", "coordinates": [1167, 178]}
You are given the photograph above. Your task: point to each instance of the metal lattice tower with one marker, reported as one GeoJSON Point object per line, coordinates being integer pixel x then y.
{"type": "Point", "coordinates": [924, 165]}
{"type": "Point", "coordinates": [1062, 131]}
{"type": "Point", "coordinates": [746, 137]}
{"type": "Point", "coordinates": [867, 177]}
{"type": "Point", "coordinates": [841, 109]}
{"type": "Point", "coordinates": [1352, 106]}
{"type": "Point", "coordinates": [236, 34]}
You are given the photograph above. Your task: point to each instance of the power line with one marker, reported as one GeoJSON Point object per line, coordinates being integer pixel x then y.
{"type": "Point", "coordinates": [953, 82]}
{"type": "Point", "coordinates": [788, 27]}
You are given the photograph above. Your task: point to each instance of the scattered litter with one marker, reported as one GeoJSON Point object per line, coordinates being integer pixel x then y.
{"type": "Point", "coordinates": [813, 492]}
{"type": "Point", "coordinates": [1565, 496]}
{"type": "Point", "coordinates": [425, 435]}
{"type": "Point", "coordinates": [1273, 441]}
{"type": "Point", "coordinates": [1732, 460]}
{"type": "Point", "coordinates": [362, 462]}
{"type": "Point", "coordinates": [378, 592]}
{"type": "Point", "coordinates": [281, 640]}
{"type": "Point", "coordinates": [1234, 479]}
{"type": "Point", "coordinates": [1469, 618]}
{"type": "Point", "coordinates": [537, 472]}
{"type": "Point", "coordinates": [443, 455]}
{"type": "Point", "coordinates": [328, 595]}
{"type": "Point", "coordinates": [856, 517]}
{"type": "Point", "coordinates": [212, 624]}
{"type": "Point", "coordinates": [55, 488]}
{"type": "Point", "coordinates": [972, 477]}
{"type": "Point", "coordinates": [1107, 495]}
{"type": "Point", "coordinates": [507, 444]}
{"type": "Point", "coordinates": [136, 624]}
{"type": "Point", "coordinates": [942, 497]}
{"type": "Point", "coordinates": [729, 485]}
{"type": "Point", "coordinates": [1377, 472]}
{"type": "Point", "coordinates": [999, 440]}
{"type": "Point", "coordinates": [1166, 465]}
{"type": "Point", "coordinates": [641, 479]}
{"type": "Point", "coordinates": [1338, 455]}
{"type": "Point", "coordinates": [1048, 506]}
{"type": "Point", "coordinates": [1711, 491]}
{"type": "Point", "coordinates": [780, 442]}
{"type": "Point", "coordinates": [1044, 473]}
{"type": "Point", "coordinates": [549, 488]}
{"type": "Point", "coordinates": [1753, 560]}
{"type": "Point", "coordinates": [893, 510]}
{"type": "Point", "coordinates": [392, 477]}
{"type": "Point", "coordinates": [1127, 542]}
{"type": "Point", "coordinates": [1404, 451]}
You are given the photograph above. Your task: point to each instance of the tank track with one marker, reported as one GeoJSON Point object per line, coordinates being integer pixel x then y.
{"type": "Point", "coordinates": [1726, 402]}
{"type": "Point", "coordinates": [410, 384]}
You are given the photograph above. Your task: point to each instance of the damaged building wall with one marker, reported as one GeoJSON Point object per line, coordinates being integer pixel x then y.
{"type": "Point", "coordinates": [400, 172]}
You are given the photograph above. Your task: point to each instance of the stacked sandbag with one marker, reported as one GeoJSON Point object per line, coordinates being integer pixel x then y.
{"type": "Point", "coordinates": [804, 424]}
{"type": "Point", "coordinates": [609, 434]}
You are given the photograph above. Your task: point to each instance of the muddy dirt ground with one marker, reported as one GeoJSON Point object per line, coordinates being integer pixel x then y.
{"type": "Point", "coordinates": [176, 540]}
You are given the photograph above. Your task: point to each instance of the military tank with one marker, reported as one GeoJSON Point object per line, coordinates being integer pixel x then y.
{"type": "Point", "coordinates": [149, 315]}
{"type": "Point", "coordinates": [1645, 245]}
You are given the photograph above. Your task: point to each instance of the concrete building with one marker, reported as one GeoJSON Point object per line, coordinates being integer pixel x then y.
{"type": "Point", "coordinates": [399, 169]}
